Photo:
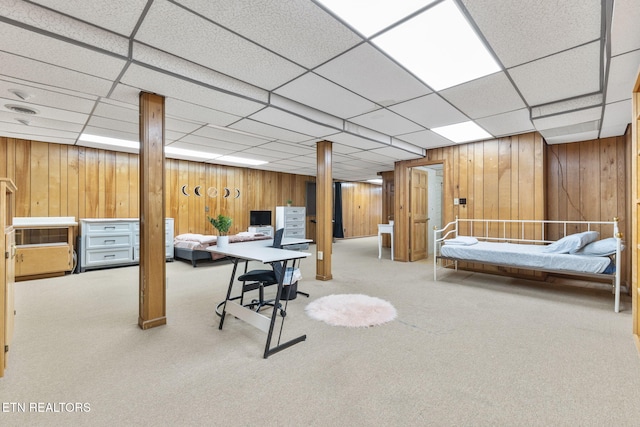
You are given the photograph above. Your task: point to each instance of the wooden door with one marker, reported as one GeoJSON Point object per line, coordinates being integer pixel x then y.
{"type": "Point", "coordinates": [418, 233]}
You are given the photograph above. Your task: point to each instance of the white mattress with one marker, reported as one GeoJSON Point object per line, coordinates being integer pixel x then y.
{"type": "Point", "coordinates": [525, 256]}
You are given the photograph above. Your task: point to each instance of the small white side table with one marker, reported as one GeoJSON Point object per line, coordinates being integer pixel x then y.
{"type": "Point", "coordinates": [385, 229]}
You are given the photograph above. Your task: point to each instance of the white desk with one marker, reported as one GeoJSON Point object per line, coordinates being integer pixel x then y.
{"type": "Point", "coordinates": [384, 229]}
{"type": "Point", "coordinates": [257, 251]}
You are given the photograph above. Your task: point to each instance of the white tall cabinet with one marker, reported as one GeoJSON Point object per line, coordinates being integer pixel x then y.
{"type": "Point", "coordinates": [292, 219]}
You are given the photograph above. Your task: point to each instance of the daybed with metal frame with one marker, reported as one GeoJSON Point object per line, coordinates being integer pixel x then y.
{"type": "Point", "coordinates": [524, 244]}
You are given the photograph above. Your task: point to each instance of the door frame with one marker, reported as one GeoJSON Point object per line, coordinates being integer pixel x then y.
{"type": "Point", "coordinates": [401, 179]}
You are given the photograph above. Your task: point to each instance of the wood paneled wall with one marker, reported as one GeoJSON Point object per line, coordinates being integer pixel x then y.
{"type": "Point", "coordinates": [65, 180]}
{"type": "Point", "coordinates": [589, 180]}
{"type": "Point", "coordinates": [500, 179]}
{"type": "Point", "coordinates": [361, 209]}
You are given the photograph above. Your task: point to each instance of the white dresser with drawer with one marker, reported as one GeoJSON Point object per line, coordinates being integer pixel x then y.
{"type": "Point", "coordinates": [292, 219]}
{"type": "Point", "coordinates": [110, 242]}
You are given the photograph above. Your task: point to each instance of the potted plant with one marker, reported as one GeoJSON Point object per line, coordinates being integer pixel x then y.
{"type": "Point", "coordinates": [221, 223]}
{"type": "Point", "coordinates": [289, 202]}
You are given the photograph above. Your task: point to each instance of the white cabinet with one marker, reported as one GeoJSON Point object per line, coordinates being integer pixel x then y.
{"type": "Point", "coordinates": [115, 242]}
{"type": "Point", "coordinates": [292, 219]}
{"type": "Point", "coordinates": [267, 230]}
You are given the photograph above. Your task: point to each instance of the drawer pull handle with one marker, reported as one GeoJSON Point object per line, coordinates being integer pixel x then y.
{"type": "Point", "coordinates": [110, 256]}
{"type": "Point", "coordinates": [109, 242]}
{"type": "Point", "coordinates": [109, 227]}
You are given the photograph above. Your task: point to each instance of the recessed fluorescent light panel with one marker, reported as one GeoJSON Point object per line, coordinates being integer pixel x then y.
{"type": "Point", "coordinates": [189, 153]}
{"type": "Point", "coordinates": [174, 151]}
{"type": "Point", "coordinates": [113, 142]}
{"type": "Point", "coordinates": [463, 132]}
{"type": "Point", "coordinates": [371, 16]}
{"type": "Point", "coordinates": [439, 46]}
{"type": "Point", "coordinates": [241, 160]}
{"type": "Point", "coordinates": [375, 181]}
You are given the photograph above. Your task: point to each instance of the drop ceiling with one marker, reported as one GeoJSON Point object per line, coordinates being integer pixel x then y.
{"type": "Point", "coordinates": [268, 79]}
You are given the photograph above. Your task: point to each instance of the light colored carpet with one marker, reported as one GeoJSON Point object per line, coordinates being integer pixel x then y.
{"type": "Point", "coordinates": [351, 310]}
{"type": "Point", "coordinates": [468, 350]}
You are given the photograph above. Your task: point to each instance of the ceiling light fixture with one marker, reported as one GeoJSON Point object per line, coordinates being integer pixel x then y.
{"type": "Point", "coordinates": [462, 132]}
{"type": "Point", "coordinates": [114, 142]}
{"type": "Point", "coordinates": [189, 153]}
{"type": "Point", "coordinates": [379, 14]}
{"type": "Point", "coordinates": [439, 46]}
{"type": "Point", "coordinates": [241, 160]}
{"type": "Point", "coordinates": [169, 150]}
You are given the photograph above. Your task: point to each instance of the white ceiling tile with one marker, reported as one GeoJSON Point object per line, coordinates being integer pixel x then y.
{"type": "Point", "coordinates": [367, 72]}
{"type": "Point", "coordinates": [618, 115]}
{"type": "Point", "coordinates": [279, 118]}
{"type": "Point", "coordinates": [37, 122]}
{"type": "Point", "coordinates": [565, 75]}
{"type": "Point", "coordinates": [576, 137]}
{"type": "Point", "coordinates": [190, 71]}
{"type": "Point", "coordinates": [568, 119]}
{"type": "Point", "coordinates": [60, 53]}
{"type": "Point", "coordinates": [430, 111]}
{"type": "Point", "coordinates": [61, 26]}
{"type": "Point", "coordinates": [119, 16]}
{"type": "Point", "coordinates": [198, 113]}
{"type": "Point", "coordinates": [487, 96]}
{"type": "Point", "coordinates": [273, 132]}
{"type": "Point", "coordinates": [231, 136]}
{"type": "Point", "coordinates": [182, 126]}
{"type": "Point", "coordinates": [163, 84]}
{"type": "Point", "coordinates": [105, 123]}
{"type": "Point", "coordinates": [622, 76]}
{"type": "Point", "coordinates": [318, 92]}
{"type": "Point", "coordinates": [46, 111]}
{"type": "Point", "coordinates": [214, 47]}
{"type": "Point", "coordinates": [39, 72]}
{"type": "Point", "coordinates": [38, 95]}
{"type": "Point", "coordinates": [625, 36]}
{"type": "Point", "coordinates": [524, 31]}
{"type": "Point", "coordinates": [312, 36]}
{"type": "Point", "coordinates": [291, 149]}
{"type": "Point", "coordinates": [387, 122]}
{"type": "Point", "coordinates": [425, 139]}
{"type": "Point", "coordinates": [511, 123]}
{"type": "Point", "coordinates": [393, 154]}
{"type": "Point", "coordinates": [207, 145]}
{"type": "Point", "coordinates": [115, 112]}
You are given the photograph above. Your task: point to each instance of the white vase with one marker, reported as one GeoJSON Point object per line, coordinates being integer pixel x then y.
{"type": "Point", "coordinates": [222, 241]}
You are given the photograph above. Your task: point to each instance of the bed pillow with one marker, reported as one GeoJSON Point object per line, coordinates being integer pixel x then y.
{"type": "Point", "coordinates": [200, 238]}
{"type": "Point", "coordinates": [604, 247]}
{"type": "Point", "coordinates": [571, 243]}
{"type": "Point", "coordinates": [462, 240]}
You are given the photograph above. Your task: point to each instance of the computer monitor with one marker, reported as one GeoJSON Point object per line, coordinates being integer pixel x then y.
{"type": "Point", "coordinates": [259, 218]}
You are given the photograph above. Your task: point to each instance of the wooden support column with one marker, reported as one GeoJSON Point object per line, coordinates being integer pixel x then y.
{"type": "Point", "coordinates": [324, 211]}
{"type": "Point", "coordinates": [152, 222]}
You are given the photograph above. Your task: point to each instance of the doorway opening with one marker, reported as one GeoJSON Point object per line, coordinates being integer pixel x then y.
{"type": "Point", "coordinates": [425, 202]}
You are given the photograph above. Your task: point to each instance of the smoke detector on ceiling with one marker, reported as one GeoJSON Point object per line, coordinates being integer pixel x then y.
{"type": "Point", "coordinates": [20, 109]}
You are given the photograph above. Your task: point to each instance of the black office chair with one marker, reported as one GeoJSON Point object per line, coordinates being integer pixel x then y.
{"type": "Point", "coordinates": [259, 279]}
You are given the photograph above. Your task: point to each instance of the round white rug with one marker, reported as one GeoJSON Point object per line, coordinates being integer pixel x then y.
{"type": "Point", "coordinates": [351, 310]}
